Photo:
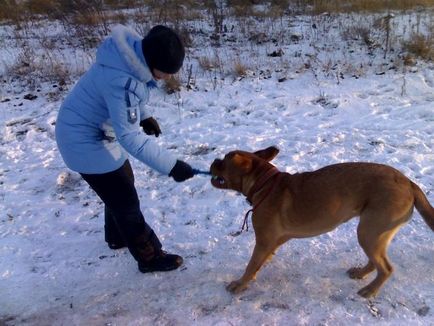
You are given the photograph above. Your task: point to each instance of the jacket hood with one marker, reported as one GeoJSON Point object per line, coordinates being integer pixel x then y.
{"type": "Point", "coordinates": [123, 51]}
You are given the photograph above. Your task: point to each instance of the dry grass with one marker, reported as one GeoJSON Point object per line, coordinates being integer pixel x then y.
{"type": "Point", "coordinates": [246, 7]}
{"type": "Point", "coordinates": [172, 11]}
{"type": "Point", "coordinates": [249, 8]}
{"type": "Point", "coordinates": [176, 11]}
{"type": "Point", "coordinates": [10, 12]}
{"type": "Point", "coordinates": [358, 33]}
{"type": "Point", "coordinates": [421, 46]}
{"type": "Point", "coordinates": [87, 22]}
{"type": "Point", "coordinates": [39, 7]}
{"type": "Point", "coordinates": [337, 6]}
{"type": "Point", "coordinates": [34, 67]}
{"type": "Point", "coordinates": [241, 8]}
{"type": "Point", "coordinates": [208, 64]}
{"type": "Point", "coordinates": [172, 85]}
{"type": "Point", "coordinates": [240, 69]}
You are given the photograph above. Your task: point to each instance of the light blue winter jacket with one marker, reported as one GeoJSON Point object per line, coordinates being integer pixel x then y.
{"type": "Point", "coordinates": [98, 123]}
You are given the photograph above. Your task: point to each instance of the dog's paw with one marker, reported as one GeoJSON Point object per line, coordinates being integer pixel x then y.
{"type": "Point", "coordinates": [368, 292]}
{"type": "Point", "coordinates": [357, 273]}
{"type": "Point", "coordinates": [236, 287]}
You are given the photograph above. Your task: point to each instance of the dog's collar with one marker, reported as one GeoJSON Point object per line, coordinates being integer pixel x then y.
{"type": "Point", "coordinates": [258, 185]}
{"type": "Point", "coordinates": [262, 180]}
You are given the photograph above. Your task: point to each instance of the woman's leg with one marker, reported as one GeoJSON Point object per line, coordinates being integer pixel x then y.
{"type": "Point", "coordinates": [112, 234]}
{"type": "Point", "coordinates": [116, 189]}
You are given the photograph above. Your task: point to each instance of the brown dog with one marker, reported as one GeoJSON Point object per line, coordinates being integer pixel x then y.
{"type": "Point", "coordinates": [307, 204]}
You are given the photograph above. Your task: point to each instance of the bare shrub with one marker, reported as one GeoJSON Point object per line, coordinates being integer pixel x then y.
{"type": "Point", "coordinates": [172, 85]}
{"type": "Point", "coordinates": [35, 68]}
{"type": "Point", "coordinates": [11, 12]}
{"type": "Point", "coordinates": [207, 63]}
{"type": "Point", "coordinates": [119, 17]}
{"type": "Point", "coordinates": [277, 10]}
{"type": "Point", "coordinates": [123, 4]}
{"type": "Point", "coordinates": [362, 33]}
{"type": "Point", "coordinates": [247, 8]}
{"type": "Point", "coordinates": [86, 21]}
{"type": "Point", "coordinates": [5, 8]}
{"type": "Point", "coordinates": [320, 6]}
{"type": "Point", "coordinates": [240, 69]}
{"type": "Point", "coordinates": [23, 63]}
{"type": "Point", "coordinates": [185, 36]}
{"type": "Point", "coordinates": [217, 10]}
{"type": "Point", "coordinates": [40, 7]}
{"type": "Point", "coordinates": [172, 11]}
{"type": "Point", "coordinates": [421, 46]}
{"type": "Point", "coordinates": [408, 60]}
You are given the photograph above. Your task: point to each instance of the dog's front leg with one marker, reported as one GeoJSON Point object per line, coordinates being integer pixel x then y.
{"type": "Point", "coordinates": [259, 256]}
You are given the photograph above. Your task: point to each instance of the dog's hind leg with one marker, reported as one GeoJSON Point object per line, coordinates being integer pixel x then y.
{"type": "Point", "coordinates": [374, 241]}
{"type": "Point", "coordinates": [362, 272]}
{"type": "Point", "coordinates": [379, 222]}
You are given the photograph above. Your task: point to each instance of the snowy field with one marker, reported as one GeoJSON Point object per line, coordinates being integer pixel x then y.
{"type": "Point", "coordinates": [57, 270]}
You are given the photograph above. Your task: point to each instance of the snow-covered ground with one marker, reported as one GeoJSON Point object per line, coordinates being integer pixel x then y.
{"type": "Point", "coordinates": [57, 270]}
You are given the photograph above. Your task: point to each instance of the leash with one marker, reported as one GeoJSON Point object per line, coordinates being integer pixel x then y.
{"type": "Point", "coordinates": [197, 171]}
{"type": "Point", "coordinates": [259, 184]}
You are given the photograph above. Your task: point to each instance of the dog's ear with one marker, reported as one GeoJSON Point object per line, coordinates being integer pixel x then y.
{"type": "Point", "coordinates": [243, 162]}
{"type": "Point", "coordinates": [267, 154]}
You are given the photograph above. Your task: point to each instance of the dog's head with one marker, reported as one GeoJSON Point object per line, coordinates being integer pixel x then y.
{"type": "Point", "coordinates": [238, 166]}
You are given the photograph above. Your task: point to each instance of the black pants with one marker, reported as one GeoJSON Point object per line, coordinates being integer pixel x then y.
{"type": "Point", "coordinates": [124, 221]}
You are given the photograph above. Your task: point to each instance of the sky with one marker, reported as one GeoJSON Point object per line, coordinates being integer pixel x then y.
{"type": "Point", "coordinates": [56, 268]}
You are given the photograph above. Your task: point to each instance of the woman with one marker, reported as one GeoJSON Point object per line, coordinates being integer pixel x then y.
{"type": "Point", "coordinates": [100, 122]}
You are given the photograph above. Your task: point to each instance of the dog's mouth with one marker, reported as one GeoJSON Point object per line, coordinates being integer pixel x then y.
{"type": "Point", "coordinates": [216, 169]}
{"type": "Point", "coordinates": [218, 182]}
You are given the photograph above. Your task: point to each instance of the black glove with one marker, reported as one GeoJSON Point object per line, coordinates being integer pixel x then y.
{"type": "Point", "coordinates": [150, 126]}
{"type": "Point", "coordinates": [181, 171]}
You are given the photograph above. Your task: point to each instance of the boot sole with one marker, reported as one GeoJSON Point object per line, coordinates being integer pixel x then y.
{"type": "Point", "coordinates": [115, 246]}
{"type": "Point", "coordinates": [151, 269]}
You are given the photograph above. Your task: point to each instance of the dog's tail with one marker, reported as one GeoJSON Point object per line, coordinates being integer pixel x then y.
{"type": "Point", "coordinates": [423, 206]}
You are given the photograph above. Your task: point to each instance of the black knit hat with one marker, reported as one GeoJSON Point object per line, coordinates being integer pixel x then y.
{"type": "Point", "coordinates": [163, 50]}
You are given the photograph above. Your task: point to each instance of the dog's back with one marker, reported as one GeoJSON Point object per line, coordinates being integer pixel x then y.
{"type": "Point", "coordinates": [342, 191]}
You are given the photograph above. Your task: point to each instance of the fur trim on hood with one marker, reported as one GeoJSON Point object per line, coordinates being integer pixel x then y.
{"type": "Point", "coordinates": [121, 36]}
